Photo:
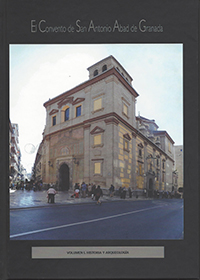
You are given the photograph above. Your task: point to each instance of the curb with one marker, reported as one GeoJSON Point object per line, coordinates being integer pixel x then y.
{"type": "Point", "coordinates": [69, 204]}
{"type": "Point", "coordinates": [58, 204]}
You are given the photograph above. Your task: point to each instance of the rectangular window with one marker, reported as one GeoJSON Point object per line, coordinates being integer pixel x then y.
{"type": "Point", "coordinates": [157, 175]}
{"type": "Point", "coordinates": [125, 109]}
{"type": "Point", "coordinates": [78, 111]}
{"type": "Point", "coordinates": [126, 145]}
{"type": "Point", "coordinates": [140, 152]}
{"type": "Point", "coordinates": [97, 168]}
{"type": "Point", "coordinates": [54, 120]}
{"type": "Point", "coordinates": [67, 114]}
{"type": "Point", "coordinates": [97, 139]}
{"type": "Point", "coordinates": [169, 146]}
{"type": "Point", "coordinates": [157, 160]}
{"type": "Point", "coordinates": [163, 177]}
{"type": "Point", "coordinates": [97, 104]}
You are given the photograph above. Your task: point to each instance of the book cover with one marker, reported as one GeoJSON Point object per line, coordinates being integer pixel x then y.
{"type": "Point", "coordinates": [99, 139]}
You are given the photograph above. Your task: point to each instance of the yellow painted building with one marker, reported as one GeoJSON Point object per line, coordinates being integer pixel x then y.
{"type": "Point", "coordinates": [93, 135]}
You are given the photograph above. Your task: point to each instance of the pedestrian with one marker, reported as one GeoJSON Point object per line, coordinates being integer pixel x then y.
{"type": "Point", "coordinates": [120, 192]}
{"type": "Point", "coordinates": [93, 190]}
{"type": "Point", "coordinates": [89, 190]}
{"type": "Point", "coordinates": [111, 189]}
{"type": "Point", "coordinates": [98, 194]}
{"type": "Point", "coordinates": [124, 193]}
{"type": "Point", "coordinates": [76, 192]}
{"type": "Point", "coordinates": [50, 195]}
{"type": "Point", "coordinates": [84, 188]}
{"type": "Point", "coordinates": [130, 192]}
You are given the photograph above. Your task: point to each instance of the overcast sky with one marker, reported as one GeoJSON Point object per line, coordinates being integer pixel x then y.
{"type": "Point", "coordinates": [40, 72]}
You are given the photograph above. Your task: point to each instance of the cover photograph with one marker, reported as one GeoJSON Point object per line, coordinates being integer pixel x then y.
{"type": "Point", "coordinates": [99, 139]}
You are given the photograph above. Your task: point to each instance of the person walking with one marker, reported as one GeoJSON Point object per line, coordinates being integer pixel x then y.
{"type": "Point", "coordinates": [89, 190]}
{"type": "Point", "coordinates": [93, 190]}
{"type": "Point", "coordinates": [98, 194]}
{"type": "Point", "coordinates": [112, 189]}
{"type": "Point", "coordinates": [50, 195]}
{"type": "Point", "coordinates": [123, 192]}
{"type": "Point", "coordinates": [83, 187]}
{"type": "Point", "coordinates": [120, 192]}
{"type": "Point", "coordinates": [130, 192]}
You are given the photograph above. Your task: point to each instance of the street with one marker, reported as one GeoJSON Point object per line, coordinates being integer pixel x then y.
{"type": "Point", "coordinates": [134, 220]}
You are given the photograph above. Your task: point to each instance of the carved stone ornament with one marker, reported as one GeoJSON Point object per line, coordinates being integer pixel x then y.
{"type": "Point", "coordinates": [127, 136]}
{"type": "Point", "coordinates": [97, 130]}
{"type": "Point", "coordinates": [65, 100]}
{"type": "Point", "coordinates": [140, 145]}
{"type": "Point", "coordinates": [78, 100]}
{"type": "Point", "coordinates": [54, 111]}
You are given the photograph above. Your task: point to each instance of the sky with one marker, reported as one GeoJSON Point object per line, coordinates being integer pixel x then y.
{"type": "Point", "coordinates": [40, 72]}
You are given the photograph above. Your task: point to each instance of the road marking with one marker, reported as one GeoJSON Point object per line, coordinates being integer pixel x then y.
{"type": "Point", "coordinates": [84, 222]}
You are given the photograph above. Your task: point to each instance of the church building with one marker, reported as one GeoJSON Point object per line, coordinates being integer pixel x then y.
{"type": "Point", "coordinates": [92, 134]}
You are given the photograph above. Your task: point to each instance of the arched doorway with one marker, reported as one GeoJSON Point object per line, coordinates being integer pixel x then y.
{"type": "Point", "coordinates": [64, 177]}
{"type": "Point", "coordinates": [150, 187]}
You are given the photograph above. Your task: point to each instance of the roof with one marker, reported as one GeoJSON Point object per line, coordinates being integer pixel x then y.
{"type": "Point", "coordinates": [147, 120]}
{"type": "Point", "coordinates": [163, 133]}
{"type": "Point", "coordinates": [112, 57]}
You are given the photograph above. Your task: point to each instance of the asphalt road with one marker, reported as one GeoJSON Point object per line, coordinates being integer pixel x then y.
{"type": "Point", "coordinates": [132, 220]}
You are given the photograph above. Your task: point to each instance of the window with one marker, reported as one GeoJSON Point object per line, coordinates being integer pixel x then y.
{"type": "Point", "coordinates": [104, 68]}
{"type": "Point", "coordinates": [78, 111]}
{"type": "Point", "coordinates": [157, 176]}
{"type": "Point", "coordinates": [163, 165]}
{"type": "Point", "coordinates": [96, 72]}
{"type": "Point", "coordinates": [125, 109]}
{"type": "Point", "coordinates": [169, 146]}
{"type": "Point", "coordinates": [97, 104]}
{"type": "Point", "coordinates": [97, 168]}
{"type": "Point", "coordinates": [157, 162]}
{"type": "Point", "coordinates": [140, 152]}
{"type": "Point", "coordinates": [163, 177]}
{"type": "Point", "coordinates": [54, 120]}
{"type": "Point", "coordinates": [67, 114]}
{"type": "Point", "coordinates": [97, 139]}
{"type": "Point", "coordinates": [126, 145]}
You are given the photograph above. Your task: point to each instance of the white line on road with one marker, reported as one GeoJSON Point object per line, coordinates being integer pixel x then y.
{"type": "Point", "coordinates": [81, 223]}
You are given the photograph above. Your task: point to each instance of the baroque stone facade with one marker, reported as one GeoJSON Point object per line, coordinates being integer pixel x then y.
{"type": "Point", "coordinates": [93, 135]}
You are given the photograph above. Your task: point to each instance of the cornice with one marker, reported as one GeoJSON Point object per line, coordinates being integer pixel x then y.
{"type": "Point", "coordinates": [86, 123]}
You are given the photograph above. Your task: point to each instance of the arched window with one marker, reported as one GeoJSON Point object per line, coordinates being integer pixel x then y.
{"type": "Point", "coordinates": [96, 72]}
{"type": "Point", "coordinates": [104, 68]}
{"type": "Point", "coordinates": [67, 114]}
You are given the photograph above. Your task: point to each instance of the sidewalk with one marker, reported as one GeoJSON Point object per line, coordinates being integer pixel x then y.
{"type": "Point", "coordinates": [28, 199]}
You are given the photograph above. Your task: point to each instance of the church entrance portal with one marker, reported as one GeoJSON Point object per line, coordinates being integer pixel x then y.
{"type": "Point", "coordinates": [64, 177]}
